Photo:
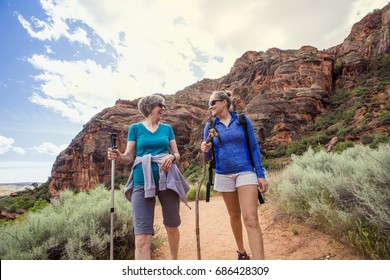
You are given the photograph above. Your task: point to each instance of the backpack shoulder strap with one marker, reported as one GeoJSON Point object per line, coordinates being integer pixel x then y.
{"type": "Point", "coordinates": [211, 164]}
{"type": "Point", "coordinates": [242, 122]}
{"type": "Point", "coordinates": [211, 124]}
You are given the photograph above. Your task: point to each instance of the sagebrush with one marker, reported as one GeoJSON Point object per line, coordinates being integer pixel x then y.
{"type": "Point", "coordinates": [74, 227]}
{"type": "Point", "coordinates": [346, 195]}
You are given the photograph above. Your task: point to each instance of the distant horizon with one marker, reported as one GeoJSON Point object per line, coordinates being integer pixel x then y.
{"type": "Point", "coordinates": [21, 184]}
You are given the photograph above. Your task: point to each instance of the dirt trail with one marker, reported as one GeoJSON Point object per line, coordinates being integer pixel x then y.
{"type": "Point", "coordinates": [284, 239]}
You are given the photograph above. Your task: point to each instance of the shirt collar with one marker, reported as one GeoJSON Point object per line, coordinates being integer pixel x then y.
{"type": "Point", "coordinates": [234, 117]}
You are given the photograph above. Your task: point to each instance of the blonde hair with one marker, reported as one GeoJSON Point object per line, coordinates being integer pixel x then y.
{"type": "Point", "coordinates": [224, 95]}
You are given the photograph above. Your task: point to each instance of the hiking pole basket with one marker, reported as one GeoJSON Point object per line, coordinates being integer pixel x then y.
{"type": "Point", "coordinates": [112, 209]}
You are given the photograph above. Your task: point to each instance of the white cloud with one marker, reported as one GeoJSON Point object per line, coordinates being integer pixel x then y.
{"type": "Point", "coordinates": [48, 148]}
{"type": "Point", "coordinates": [19, 150]}
{"type": "Point", "coordinates": [55, 27]}
{"type": "Point", "coordinates": [164, 46]}
{"type": "Point", "coordinates": [49, 50]}
{"type": "Point", "coordinates": [5, 144]}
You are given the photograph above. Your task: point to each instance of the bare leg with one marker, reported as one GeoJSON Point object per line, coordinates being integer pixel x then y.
{"type": "Point", "coordinates": [248, 200]}
{"type": "Point", "coordinates": [173, 234]}
{"type": "Point", "coordinates": [142, 246]}
{"type": "Point", "coordinates": [233, 208]}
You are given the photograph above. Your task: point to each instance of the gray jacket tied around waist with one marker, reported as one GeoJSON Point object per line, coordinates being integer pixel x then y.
{"type": "Point", "coordinates": [172, 179]}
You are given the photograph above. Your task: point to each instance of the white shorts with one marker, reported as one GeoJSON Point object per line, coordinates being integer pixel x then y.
{"type": "Point", "coordinates": [230, 182]}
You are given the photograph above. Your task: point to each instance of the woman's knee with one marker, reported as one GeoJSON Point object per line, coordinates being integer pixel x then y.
{"type": "Point", "coordinates": [172, 230]}
{"type": "Point", "coordinates": [251, 221]}
{"type": "Point", "coordinates": [143, 241]}
{"type": "Point", "coordinates": [235, 216]}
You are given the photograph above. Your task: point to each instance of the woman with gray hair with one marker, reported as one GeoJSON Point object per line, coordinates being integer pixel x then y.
{"type": "Point", "coordinates": [152, 148]}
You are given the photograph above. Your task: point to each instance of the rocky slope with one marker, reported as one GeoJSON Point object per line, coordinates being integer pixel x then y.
{"type": "Point", "coordinates": [288, 95]}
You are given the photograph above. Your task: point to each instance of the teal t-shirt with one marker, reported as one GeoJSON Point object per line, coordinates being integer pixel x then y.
{"type": "Point", "coordinates": [147, 142]}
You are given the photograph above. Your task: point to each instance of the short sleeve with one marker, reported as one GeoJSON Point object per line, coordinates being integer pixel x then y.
{"type": "Point", "coordinates": [132, 134]}
{"type": "Point", "coordinates": [171, 134]}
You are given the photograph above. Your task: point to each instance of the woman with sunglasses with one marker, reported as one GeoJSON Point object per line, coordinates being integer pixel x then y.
{"type": "Point", "coordinates": [152, 148]}
{"type": "Point", "coordinates": [235, 177]}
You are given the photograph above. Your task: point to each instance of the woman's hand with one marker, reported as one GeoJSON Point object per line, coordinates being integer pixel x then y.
{"type": "Point", "coordinates": [166, 162]}
{"type": "Point", "coordinates": [113, 154]}
{"type": "Point", "coordinates": [205, 147]}
{"type": "Point", "coordinates": [263, 184]}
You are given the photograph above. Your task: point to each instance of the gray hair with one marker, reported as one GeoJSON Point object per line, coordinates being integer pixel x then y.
{"type": "Point", "coordinates": [224, 95]}
{"type": "Point", "coordinates": [148, 103]}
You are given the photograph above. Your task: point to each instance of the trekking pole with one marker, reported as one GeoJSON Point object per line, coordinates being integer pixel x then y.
{"type": "Point", "coordinates": [112, 209]}
{"type": "Point", "coordinates": [212, 133]}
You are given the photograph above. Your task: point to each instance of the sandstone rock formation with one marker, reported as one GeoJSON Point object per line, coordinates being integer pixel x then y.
{"type": "Point", "coordinates": [282, 92]}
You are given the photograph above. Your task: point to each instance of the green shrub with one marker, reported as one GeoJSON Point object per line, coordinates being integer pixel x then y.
{"type": "Point", "coordinates": [297, 147]}
{"type": "Point", "coordinates": [42, 192]}
{"type": "Point", "coordinates": [279, 152]}
{"type": "Point", "coordinates": [14, 204]}
{"type": "Point", "coordinates": [384, 119]}
{"type": "Point", "coordinates": [272, 165]}
{"type": "Point", "coordinates": [39, 205]}
{"type": "Point", "coordinates": [346, 195]}
{"type": "Point", "coordinates": [191, 195]}
{"type": "Point", "coordinates": [342, 146]}
{"type": "Point", "coordinates": [367, 139]}
{"type": "Point", "coordinates": [378, 140]}
{"type": "Point", "coordinates": [192, 173]}
{"type": "Point", "coordinates": [343, 131]}
{"type": "Point", "coordinates": [360, 90]}
{"type": "Point", "coordinates": [339, 97]}
{"type": "Point", "coordinates": [74, 227]}
{"type": "Point", "coordinates": [120, 180]}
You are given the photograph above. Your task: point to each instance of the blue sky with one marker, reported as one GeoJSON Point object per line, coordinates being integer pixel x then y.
{"type": "Point", "coordinates": [63, 61]}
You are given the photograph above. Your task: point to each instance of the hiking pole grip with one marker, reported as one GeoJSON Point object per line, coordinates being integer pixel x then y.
{"type": "Point", "coordinates": [113, 140]}
{"type": "Point", "coordinates": [212, 133]}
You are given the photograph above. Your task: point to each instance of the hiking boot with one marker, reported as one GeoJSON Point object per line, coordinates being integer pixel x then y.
{"type": "Point", "coordinates": [243, 256]}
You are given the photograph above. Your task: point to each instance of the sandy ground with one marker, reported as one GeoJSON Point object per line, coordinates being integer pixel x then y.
{"type": "Point", "coordinates": [284, 238]}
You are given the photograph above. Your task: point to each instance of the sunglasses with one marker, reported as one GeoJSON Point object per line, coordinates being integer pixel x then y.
{"type": "Point", "coordinates": [212, 102]}
{"type": "Point", "coordinates": [162, 106]}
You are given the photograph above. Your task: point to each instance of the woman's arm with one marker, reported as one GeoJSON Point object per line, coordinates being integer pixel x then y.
{"type": "Point", "coordinates": [127, 157]}
{"type": "Point", "coordinates": [206, 147]}
{"type": "Point", "coordinates": [174, 150]}
{"type": "Point", "coordinates": [166, 162]}
{"type": "Point", "coordinates": [255, 150]}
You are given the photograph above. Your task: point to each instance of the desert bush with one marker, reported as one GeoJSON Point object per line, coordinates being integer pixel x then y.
{"type": "Point", "coordinates": [379, 138]}
{"type": "Point", "coordinates": [342, 146]}
{"type": "Point", "coordinates": [346, 195]}
{"type": "Point", "coordinates": [384, 119]}
{"type": "Point", "coordinates": [73, 226]}
{"type": "Point", "coordinates": [192, 173]}
{"type": "Point", "coordinates": [272, 165]}
{"type": "Point", "coordinates": [191, 195]}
